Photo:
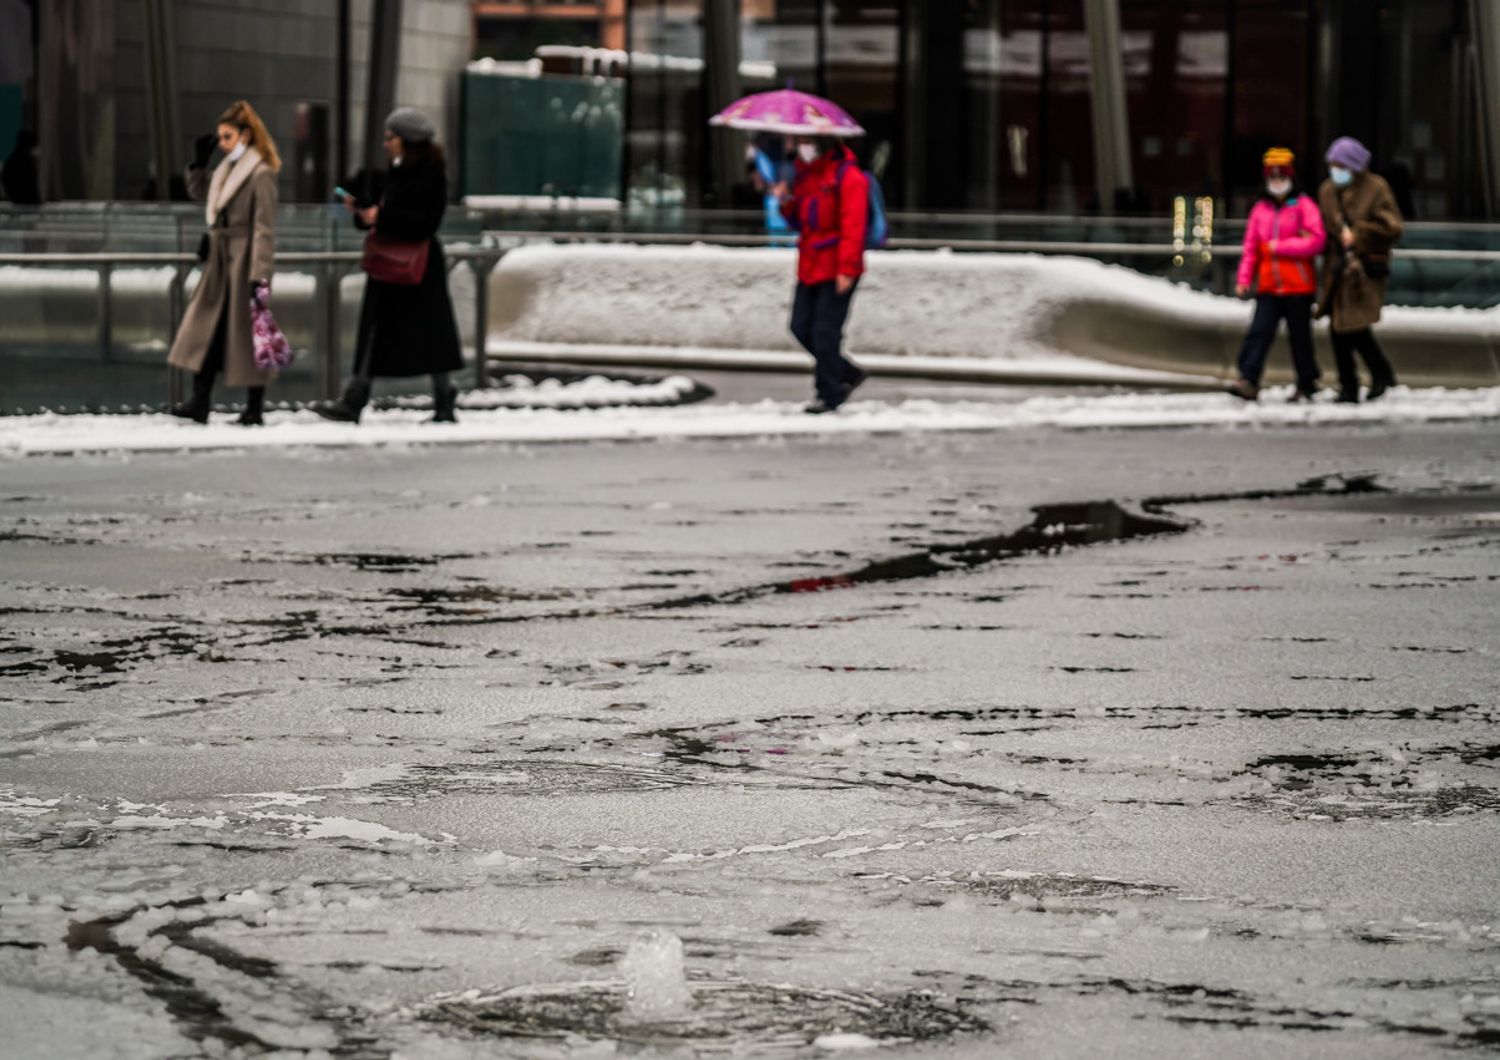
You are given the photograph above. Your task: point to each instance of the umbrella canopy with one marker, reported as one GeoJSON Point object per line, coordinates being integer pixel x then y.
{"type": "Point", "coordinates": [789, 112]}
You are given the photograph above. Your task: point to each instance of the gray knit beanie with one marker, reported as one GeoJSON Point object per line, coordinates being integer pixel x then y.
{"type": "Point", "coordinates": [411, 125]}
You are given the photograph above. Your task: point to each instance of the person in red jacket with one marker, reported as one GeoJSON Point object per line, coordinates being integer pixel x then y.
{"type": "Point", "coordinates": [829, 207]}
{"type": "Point", "coordinates": [1282, 238]}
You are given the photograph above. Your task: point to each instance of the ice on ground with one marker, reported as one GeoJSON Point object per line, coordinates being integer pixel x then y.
{"type": "Point", "coordinates": [656, 983]}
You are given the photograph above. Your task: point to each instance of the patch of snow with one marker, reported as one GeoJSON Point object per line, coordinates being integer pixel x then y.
{"type": "Point", "coordinates": [910, 303]}
{"type": "Point", "coordinates": [307, 826]}
{"type": "Point", "coordinates": [835, 1043]}
{"type": "Point", "coordinates": [26, 805]}
{"type": "Point", "coordinates": [215, 823]}
{"type": "Point", "coordinates": [53, 434]}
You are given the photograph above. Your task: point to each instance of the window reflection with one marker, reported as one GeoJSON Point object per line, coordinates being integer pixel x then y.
{"type": "Point", "coordinates": [862, 61]}
{"type": "Point", "coordinates": [1176, 62]}
{"type": "Point", "coordinates": [1272, 96]}
{"type": "Point", "coordinates": [988, 105]}
{"type": "Point", "coordinates": [667, 130]}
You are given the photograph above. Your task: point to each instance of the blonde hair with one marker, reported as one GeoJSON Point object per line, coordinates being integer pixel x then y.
{"type": "Point", "coordinates": [242, 116]}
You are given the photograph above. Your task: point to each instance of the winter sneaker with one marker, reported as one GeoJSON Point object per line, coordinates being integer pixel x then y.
{"type": "Point", "coordinates": [1378, 388]}
{"type": "Point", "coordinates": [818, 408]}
{"type": "Point", "coordinates": [443, 404]}
{"type": "Point", "coordinates": [1244, 390]}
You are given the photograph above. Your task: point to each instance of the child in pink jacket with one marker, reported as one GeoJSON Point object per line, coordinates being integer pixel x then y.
{"type": "Point", "coordinates": [1282, 238]}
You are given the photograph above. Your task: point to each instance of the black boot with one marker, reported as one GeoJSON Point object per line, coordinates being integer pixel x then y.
{"type": "Point", "coordinates": [1378, 387]}
{"type": "Point", "coordinates": [196, 408]}
{"type": "Point", "coordinates": [444, 401]}
{"type": "Point", "coordinates": [255, 407]}
{"type": "Point", "coordinates": [347, 408]}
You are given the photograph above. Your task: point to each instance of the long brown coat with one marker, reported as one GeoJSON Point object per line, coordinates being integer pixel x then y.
{"type": "Point", "coordinates": [241, 214]}
{"type": "Point", "coordinates": [1352, 298]}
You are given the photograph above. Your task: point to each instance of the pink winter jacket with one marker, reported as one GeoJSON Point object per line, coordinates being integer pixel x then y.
{"type": "Point", "coordinates": [1296, 228]}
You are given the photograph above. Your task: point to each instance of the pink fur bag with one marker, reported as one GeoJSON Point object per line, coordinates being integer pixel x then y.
{"type": "Point", "coordinates": [272, 351]}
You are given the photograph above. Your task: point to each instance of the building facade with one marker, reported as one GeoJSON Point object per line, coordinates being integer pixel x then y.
{"type": "Point", "coordinates": [117, 89]}
{"type": "Point", "coordinates": [1074, 106]}
{"type": "Point", "coordinates": [1050, 106]}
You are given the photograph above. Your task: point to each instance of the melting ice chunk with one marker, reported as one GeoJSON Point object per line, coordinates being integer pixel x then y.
{"type": "Point", "coordinates": [655, 979]}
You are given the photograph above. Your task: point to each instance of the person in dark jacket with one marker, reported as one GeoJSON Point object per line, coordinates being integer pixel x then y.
{"type": "Point", "coordinates": [1363, 225]}
{"type": "Point", "coordinates": [829, 207]}
{"type": "Point", "coordinates": [406, 329]}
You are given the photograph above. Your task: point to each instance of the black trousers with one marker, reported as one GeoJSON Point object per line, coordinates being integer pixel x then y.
{"type": "Point", "coordinates": [818, 316]}
{"type": "Point", "coordinates": [1346, 344]}
{"type": "Point", "coordinates": [1270, 310]}
{"type": "Point", "coordinates": [213, 364]}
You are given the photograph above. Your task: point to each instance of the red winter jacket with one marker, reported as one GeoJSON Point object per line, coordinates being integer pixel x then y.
{"type": "Point", "coordinates": [831, 210]}
{"type": "Point", "coordinates": [1296, 229]}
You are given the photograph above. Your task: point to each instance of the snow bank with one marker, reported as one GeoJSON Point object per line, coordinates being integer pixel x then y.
{"type": "Point", "coordinates": [998, 307]}
{"type": "Point", "coordinates": [33, 435]}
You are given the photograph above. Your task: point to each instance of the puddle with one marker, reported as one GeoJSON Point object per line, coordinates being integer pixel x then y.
{"type": "Point", "coordinates": [1053, 527]}
{"type": "Point", "coordinates": [518, 777]}
{"type": "Point", "coordinates": [722, 1018]}
{"type": "Point", "coordinates": [1346, 785]}
{"type": "Point", "coordinates": [1044, 887]}
{"type": "Point", "coordinates": [376, 562]}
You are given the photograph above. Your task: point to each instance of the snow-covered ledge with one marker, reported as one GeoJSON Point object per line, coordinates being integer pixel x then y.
{"type": "Point", "coordinates": [1017, 317]}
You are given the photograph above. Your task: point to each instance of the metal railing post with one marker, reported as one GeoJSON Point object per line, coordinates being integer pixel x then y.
{"type": "Point", "coordinates": [482, 267]}
{"type": "Point", "coordinates": [106, 311]}
{"type": "Point", "coordinates": [329, 325]}
{"type": "Point", "coordinates": [176, 308]}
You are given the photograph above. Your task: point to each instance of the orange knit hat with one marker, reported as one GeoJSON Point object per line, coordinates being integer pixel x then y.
{"type": "Point", "coordinates": [1279, 161]}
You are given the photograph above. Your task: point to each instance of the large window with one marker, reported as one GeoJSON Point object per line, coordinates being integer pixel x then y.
{"type": "Point", "coordinates": [1176, 67]}
{"type": "Point", "coordinates": [989, 104]}
{"type": "Point", "coordinates": [862, 63]}
{"type": "Point", "coordinates": [1271, 93]}
{"type": "Point", "coordinates": [783, 34]}
{"type": "Point", "coordinates": [665, 149]}
{"type": "Point", "coordinates": [1004, 78]}
{"type": "Point", "coordinates": [517, 39]}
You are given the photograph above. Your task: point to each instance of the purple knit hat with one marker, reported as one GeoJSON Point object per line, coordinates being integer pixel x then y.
{"type": "Point", "coordinates": [1348, 152]}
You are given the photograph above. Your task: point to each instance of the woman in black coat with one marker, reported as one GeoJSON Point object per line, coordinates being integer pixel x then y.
{"type": "Point", "coordinates": [406, 329]}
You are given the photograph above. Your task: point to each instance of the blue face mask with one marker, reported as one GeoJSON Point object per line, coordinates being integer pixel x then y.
{"type": "Point", "coordinates": [1341, 176]}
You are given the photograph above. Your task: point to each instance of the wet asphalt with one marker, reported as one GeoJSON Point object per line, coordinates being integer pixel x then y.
{"type": "Point", "coordinates": [971, 745]}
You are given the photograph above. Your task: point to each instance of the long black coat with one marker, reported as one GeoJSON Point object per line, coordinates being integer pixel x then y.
{"type": "Point", "coordinates": [409, 330]}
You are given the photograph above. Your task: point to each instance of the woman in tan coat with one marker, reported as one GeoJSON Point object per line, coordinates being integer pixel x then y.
{"type": "Point", "coordinates": [240, 208]}
{"type": "Point", "coordinates": [1363, 223]}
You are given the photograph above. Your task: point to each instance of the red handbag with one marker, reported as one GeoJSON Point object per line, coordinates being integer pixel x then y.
{"type": "Point", "coordinates": [394, 260]}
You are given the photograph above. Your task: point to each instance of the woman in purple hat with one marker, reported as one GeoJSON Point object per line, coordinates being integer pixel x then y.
{"type": "Point", "coordinates": [1363, 223]}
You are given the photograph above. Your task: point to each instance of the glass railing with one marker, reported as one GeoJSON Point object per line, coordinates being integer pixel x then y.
{"type": "Point", "coordinates": [1453, 281]}
{"type": "Point", "coordinates": [95, 334]}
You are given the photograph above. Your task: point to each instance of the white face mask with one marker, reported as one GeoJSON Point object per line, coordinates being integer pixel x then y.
{"type": "Point", "coordinates": [809, 153]}
{"type": "Point", "coordinates": [1341, 176]}
{"type": "Point", "coordinates": [1279, 188]}
{"type": "Point", "coordinates": [239, 149]}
